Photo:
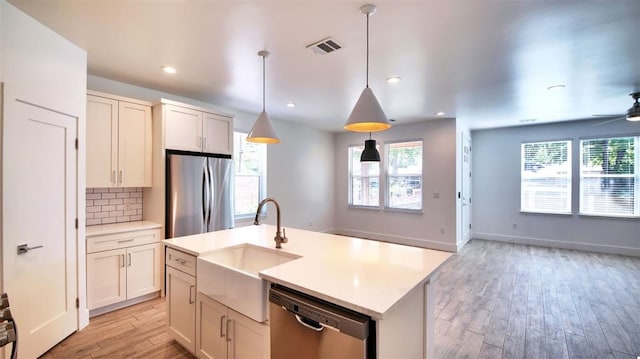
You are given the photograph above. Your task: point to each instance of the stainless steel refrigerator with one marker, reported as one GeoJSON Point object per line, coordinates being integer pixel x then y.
{"type": "Point", "coordinates": [199, 193]}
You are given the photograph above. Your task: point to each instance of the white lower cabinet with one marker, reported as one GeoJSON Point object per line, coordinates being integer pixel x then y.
{"type": "Point", "coordinates": [224, 333]}
{"type": "Point", "coordinates": [181, 307]}
{"type": "Point", "coordinates": [123, 266]}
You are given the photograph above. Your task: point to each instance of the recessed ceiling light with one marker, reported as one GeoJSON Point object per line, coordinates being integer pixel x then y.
{"type": "Point", "coordinates": [291, 104]}
{"type": "Point", "coordinates": [169, 69]}
{"type": "Point", "coordinates": [556, 87]}
{"type": "Point", "coordinates": [440, 113]}
{"type": "Point", "coordinates": [394, 79]}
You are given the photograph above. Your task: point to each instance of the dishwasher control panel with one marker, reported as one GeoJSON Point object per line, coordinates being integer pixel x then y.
{"type": "Point", "coordinates": [318, 313]}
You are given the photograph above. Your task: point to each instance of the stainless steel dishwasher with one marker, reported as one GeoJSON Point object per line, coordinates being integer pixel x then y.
{"type": "Point", "coordinates": [306, 327]}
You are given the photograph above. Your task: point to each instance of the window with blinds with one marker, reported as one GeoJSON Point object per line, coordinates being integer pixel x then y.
{"type": "Point", "coordinates": [608, 178]}
{"type": "Point", "coordinates": [545, 177]}
{"type": "Point", "coordinates": [364, 180]}
{"type": "Point", "coordinates": [404, 175]}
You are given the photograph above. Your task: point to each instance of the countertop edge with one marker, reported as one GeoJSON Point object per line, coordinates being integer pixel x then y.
{"type": "Point", "coordinates": [113, 228]}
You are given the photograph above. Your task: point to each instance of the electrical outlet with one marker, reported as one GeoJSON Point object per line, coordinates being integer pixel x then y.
{"type": "Point", "coordinates": [442, 230]}
{"type": "Point", "coordinates": [310, 224]}
{"type": "Point", "coordinates": [515, 225]}
{"type": "Point", "coordinates": [436, 194]}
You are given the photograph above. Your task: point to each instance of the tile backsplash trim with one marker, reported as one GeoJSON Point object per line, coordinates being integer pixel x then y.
{"type": "Point", "coordinates": [113, 205]}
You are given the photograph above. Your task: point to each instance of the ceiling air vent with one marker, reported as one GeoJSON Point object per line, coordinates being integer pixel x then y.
{"type": "Point", "coordinates": [325, 46]}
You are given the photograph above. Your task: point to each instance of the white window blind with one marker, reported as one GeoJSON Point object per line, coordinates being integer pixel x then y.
{"type": "Point", "coordinates": [250, 161]}
{"type": "Point", "coordinates": [364, 180]}
{"type": "Point", "coordinates": [404, 175]}
{"type": "Point", "coordinates": [608, 178]}
{"type": "Point", "coordinates": [545, 177]}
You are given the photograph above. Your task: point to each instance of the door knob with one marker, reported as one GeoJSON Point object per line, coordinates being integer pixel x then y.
{"type": "Point", "coordinates": [24, 248]}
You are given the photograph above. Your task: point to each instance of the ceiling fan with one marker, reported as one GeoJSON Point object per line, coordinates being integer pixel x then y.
{"type": "Point", "coordinates": [633, 113]}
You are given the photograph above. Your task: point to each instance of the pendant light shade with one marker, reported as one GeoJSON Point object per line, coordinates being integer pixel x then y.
{"type": "Point", "coordinates": [263, 131]}
{"type": "Point", "coordinates": [370, 153]}
{"type": "Point", "coordinates": [367, 115]}
{"type": "Point", "coordinates": [633, 114]}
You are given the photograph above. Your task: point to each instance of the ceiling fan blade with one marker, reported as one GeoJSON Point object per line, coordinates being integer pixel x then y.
{"type": "Point", "coordinates": [608, 121]}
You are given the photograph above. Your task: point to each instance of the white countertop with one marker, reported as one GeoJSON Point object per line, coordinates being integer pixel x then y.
{"type": "Point", "coordinates": [367, 276]}
{"type": "Point", "coordinates": [112, 228]}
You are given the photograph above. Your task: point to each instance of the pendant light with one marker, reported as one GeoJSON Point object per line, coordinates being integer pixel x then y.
{"type": "Point", "coordinates": [367, 115]}
{"type": "Point", "coordinates": [633, 114]}
{"type": "Point", "coordinates": [370, 153]}
{"type": "Point", "coordinates": [263, 131]}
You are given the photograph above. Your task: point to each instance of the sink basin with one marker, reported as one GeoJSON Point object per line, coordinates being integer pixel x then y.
{"type": "Point", "coordinates": [230, 276]}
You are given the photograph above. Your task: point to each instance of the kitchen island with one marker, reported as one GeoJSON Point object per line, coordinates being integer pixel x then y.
{"type": "Point", "coordinates": [388, 282]}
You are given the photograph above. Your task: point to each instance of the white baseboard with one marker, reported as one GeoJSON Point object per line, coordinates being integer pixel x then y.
{"type": "Point", "coordinates": [126, 303]}
{"type": "Point", "coordinates": [590, 247]}
{"type": "Point", "coordinates": [409, 241]}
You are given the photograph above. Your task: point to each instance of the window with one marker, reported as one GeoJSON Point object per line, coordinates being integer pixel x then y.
{"type": "Point", "coordinates": [608, 178]}
{"type": "Point", "coordinates": [545, 181]}
{"type": "Point", "coordinates": [364, 180]}
{"type": "Point", "coordinates": [250, 161]}
{"type": "Point", "coordinates": [404, 175]}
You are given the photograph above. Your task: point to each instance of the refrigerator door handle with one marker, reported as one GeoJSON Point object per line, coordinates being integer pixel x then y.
{"type": "Point", "coordinates": [210, 197]}
{"type": "Point", "coordinates": [205, 180]}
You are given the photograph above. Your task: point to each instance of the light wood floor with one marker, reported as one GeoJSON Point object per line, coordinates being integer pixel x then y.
{"type": "Point", "coordinates": [139, 331]}
{"type": "Point", "coordinates": [500, 300]}
{"type": "Point", "coordinates": [493, 300]}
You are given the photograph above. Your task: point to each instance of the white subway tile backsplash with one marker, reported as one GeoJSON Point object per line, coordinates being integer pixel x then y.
{"type": "Point", "coordinates": [113, 205]}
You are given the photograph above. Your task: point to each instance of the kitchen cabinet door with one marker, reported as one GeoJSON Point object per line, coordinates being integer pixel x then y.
{"type": "Point", "coordinates": [225, 333]}
{"type": "Point", "coordinates": [134, 145]}
{"type": "Point", "coordinates": [218, 134]}
{"type": "Point", "coordinates": [102, 141]}
{"type": "Point", "coordinates": [143, 269]}
{"type": "Point", "coordinates": [183, 129]}
{"type": "Point", "coordinates": [181, 307]}
{"type": "Point", "coordinates": [249, 339]}
{"type": "Point", "coordinates": [106, 278]}
{"type": "Point", "coordinates": [213, 326]}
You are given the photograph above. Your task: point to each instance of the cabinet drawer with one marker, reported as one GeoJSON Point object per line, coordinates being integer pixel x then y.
{"type": "Point", "coordinates": [181, 261]}
{"type": "Point", "coordinates": [122, 240]}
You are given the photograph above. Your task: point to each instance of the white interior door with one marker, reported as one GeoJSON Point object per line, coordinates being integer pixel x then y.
{"type": "Point", "coordinates": [39, 210]}
{"type": "Point", "coordinates": [466, 189]}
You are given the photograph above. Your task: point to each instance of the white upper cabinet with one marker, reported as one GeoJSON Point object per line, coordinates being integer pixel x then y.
{"type": "Point", "coordinates": [193, 129]}
{"type": "Point", "coordinates": [118, 142]}
{"type": "Point", "coordinates": [218, 134]}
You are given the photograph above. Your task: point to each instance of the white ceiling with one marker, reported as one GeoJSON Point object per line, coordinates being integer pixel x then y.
{"type": "Point", "coordinates": [484, 61]}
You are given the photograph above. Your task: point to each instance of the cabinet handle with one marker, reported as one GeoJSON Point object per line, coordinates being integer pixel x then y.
{"type": "Point", "coordinates": [228, 333]}
{"type": "Point", "coordinates": [121, 176]}
{"type": "Point", "coordinates": [199, 144]}
{"type": "Point", "coordinates": [191, 287]}
{"type": "Point", "coordinates": [221, 320]}
{"type": "Point", "coordinates": [204, 139]}
{"type": "Point", "coordinates": [122, 261]}
{"type": "Point", "coordinates": [129, 259]}
{"type": "Point", "coordinates": [113, 176]}
{"type": "Point", "coordinates": [126, 240]}
{"type": "Point", "coordinates": [181, 261]}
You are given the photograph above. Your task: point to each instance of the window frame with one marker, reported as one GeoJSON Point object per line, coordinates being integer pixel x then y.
{"type": "Point", "coordinates": [387, 175]}
{"type": "Point", "coordinates": [350, 181]}
{"type": "Point", "coordinates": [635, 177]}
{"type": "Point", "coordinates": [569, 178]}
{"type": "Point", "coordinates": [262, 177]}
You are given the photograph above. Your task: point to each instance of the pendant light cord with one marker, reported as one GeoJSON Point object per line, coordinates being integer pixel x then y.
{"type": "Point", "coordinates": [263, 83]}
{"type": "Point", "coordinates": [367, 50]}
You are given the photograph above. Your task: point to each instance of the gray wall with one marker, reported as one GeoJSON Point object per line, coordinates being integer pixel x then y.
{"type": "Point", "coordinates": [436, 227]}
{"type": "Point", "coordinates": [496, 191]}
{"type": "Point", "coordinates": [300, 169]}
